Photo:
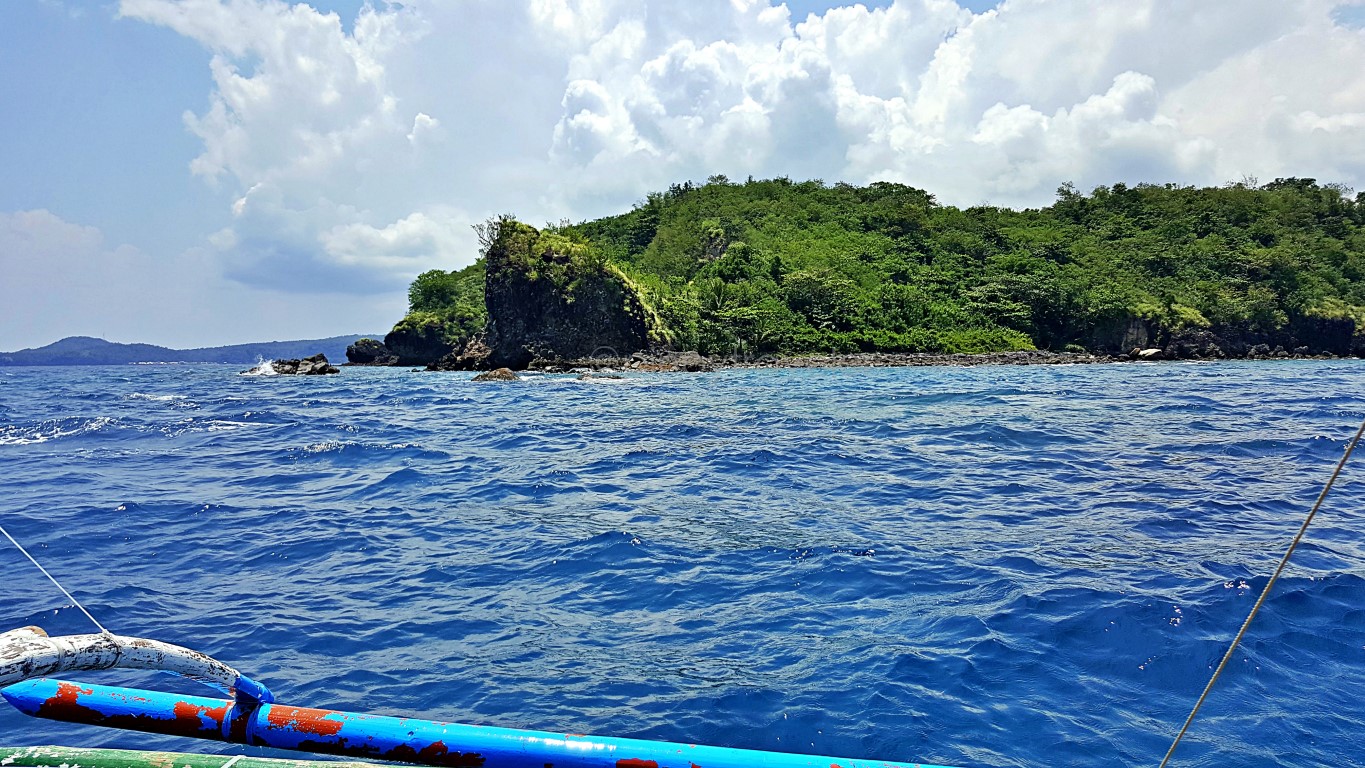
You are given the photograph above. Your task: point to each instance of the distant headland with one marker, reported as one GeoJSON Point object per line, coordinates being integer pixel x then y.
{"type": "Point", "coordinates": [776, 270]}
{"type": "Point", "coordinates": [86, 350]}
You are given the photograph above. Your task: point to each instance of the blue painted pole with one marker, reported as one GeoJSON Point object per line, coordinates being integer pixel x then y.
{"type": "Point", "coordinates": [384, 738]}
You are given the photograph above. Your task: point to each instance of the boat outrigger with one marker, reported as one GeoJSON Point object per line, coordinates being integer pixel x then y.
{"type": "Point", "coordinates": [28, 656]}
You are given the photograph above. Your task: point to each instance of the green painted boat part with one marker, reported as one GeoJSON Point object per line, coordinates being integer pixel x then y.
{"type": "Point", "coordinates": [75, 757]}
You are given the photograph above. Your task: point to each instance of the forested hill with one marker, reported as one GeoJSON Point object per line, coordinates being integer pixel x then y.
{"type": "Point", "coordinates": [778, 266]}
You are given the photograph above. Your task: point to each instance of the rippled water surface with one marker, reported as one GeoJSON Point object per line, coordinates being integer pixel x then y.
{"type": "Point", "coordinates": [992, 566]}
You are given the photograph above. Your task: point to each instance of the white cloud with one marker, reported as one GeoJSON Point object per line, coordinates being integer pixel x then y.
{"type": "Point", "coordinates": [359, 158]}
{"type": "Point", "coordinates": [304, 119]}
{"type": "Point", "coordinates": [424, 128]}
{"type": "Point", "coordinates": [1001, 106]}
{"type": "Point", "coordinates": [407, 244]}
{"type": "Point", "coordinates": [295, 95]}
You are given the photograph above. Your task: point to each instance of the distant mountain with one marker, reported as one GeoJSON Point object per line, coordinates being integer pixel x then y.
{"type": "Point", "coordinates": [85, 350]}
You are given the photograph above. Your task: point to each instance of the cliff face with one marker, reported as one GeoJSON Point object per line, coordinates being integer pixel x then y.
{"type": "Point", "coordinates": [1307, 334]}
{"type": "Point", "coordinates": [419, 339]}
{"type": "Point", "coordinates": [552, 298]}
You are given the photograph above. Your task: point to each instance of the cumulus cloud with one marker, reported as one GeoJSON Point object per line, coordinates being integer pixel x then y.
{"type": "Point", "coordinates": [358, 158]}
{"type": "Point", "coordinates": [404, 244]}
{"type": "Point", "coordinates": [305, 123]}
{"type": "Point", "coordinates": [1001, 106]}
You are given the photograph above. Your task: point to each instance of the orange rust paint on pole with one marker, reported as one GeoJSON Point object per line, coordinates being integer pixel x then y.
{"type": "Point", "coordinates": [412, 740]}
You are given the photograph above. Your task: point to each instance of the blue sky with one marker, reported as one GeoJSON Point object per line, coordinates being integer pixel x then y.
{"type": "Point", "coordinates": [98, 136]}
{"type": "Point", "coordinates": [191, 172]}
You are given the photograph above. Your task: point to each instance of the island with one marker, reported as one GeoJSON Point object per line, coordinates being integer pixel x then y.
{"type": "Point", "coordinates": [86, 350]}
{"type": "Point", "coordinates": [777, 269]}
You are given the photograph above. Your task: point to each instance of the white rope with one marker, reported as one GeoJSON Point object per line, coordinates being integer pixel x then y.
{"type": "Point", "coordinates": [1284, 561]}
{"type": "Point", "coordinates": [58, 584]}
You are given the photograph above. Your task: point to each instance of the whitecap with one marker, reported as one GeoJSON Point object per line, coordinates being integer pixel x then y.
{"type": "Point", "coordinates": [154, 398]}
{"type": "Point", "coordinates": [263, 368]}
{"type": "Point", "coordinates": [51, 430]}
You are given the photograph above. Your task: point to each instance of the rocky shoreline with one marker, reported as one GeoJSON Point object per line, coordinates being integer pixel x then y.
{"type": "Point", "coordinates": [894, 360]}
{"type": "Point", "coordinates": [693, 362]}
{"type": "Point", "coordinates": [658, 361]}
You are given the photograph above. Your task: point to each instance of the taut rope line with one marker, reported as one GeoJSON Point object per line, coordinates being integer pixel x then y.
{"type": "Point", "coordinates": [58, 584]}
{"type": "Point", "coordinates": [1264, 593]}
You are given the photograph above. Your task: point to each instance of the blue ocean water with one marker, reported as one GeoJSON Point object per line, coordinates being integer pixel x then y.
{"type": "Point", "coordinates": [992, 566]}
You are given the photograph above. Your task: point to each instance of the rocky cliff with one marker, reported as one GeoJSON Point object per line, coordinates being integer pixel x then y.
{"type": "Point", "coordinates": [553, 298]}
{"type": "Point", "coordinates": [420, 338]}
{"type": "Point", "coordinates": [1315, 332]}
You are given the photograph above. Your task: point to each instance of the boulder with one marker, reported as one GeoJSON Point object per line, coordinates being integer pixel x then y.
{"type": "Point", "coordinates": [370, 352]}
{"type": "Point", "coordinates": [1149, 354]}
{"type": "Point", "coordinates": [498, 374]}
{"type": "Point", "coordinates": [1192, 343]}
{"type": "Point", "coordinates": [692, 362]}
{"type": "Point", "coordinates": [472, 357]}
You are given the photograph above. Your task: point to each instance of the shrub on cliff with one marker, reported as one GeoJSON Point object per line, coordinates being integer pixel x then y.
{"type": "Point", "coordinates": [445, 310]}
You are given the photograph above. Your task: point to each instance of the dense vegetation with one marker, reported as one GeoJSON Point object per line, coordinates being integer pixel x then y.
{"type": "Point", "coordinates": [778, 266]}
{"type": "Point", "coordinates": [445, 309]}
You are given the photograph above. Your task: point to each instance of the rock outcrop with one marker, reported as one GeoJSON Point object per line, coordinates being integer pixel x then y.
{"type": "Point", "coordinates": [316, 365]}
{"type": "Point", "coordinates": [497, 374]}
{"type": "Point", "coordinates": [370, 352]}
{"type": "Point", "coordinates": [551, 298]}
{"type": "Point", "coordinates": [1332, 335]}
{"type": "Point", "coordinates": [670, 362]}
{"type": "Point", "coordinates": [419, 339]}
{"type": "Point", "coordinates": [1193, 344]}
{"type": "Point", "coordinates": [1314, 334]}
{"type": "Point", "coordinates": [473, 356]}
{"type": "Point", "coordinates": [691, 362]}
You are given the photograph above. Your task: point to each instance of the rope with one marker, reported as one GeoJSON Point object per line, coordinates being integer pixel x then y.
{"type": "Point", "coordinates": [1264, 594]}
{"type": "Point", "coordinates": [58, 584]}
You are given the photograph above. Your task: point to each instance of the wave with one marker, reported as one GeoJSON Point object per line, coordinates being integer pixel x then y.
{"type": "Point", "coordinates": [54, 429]}
{"type": "Point", "coordinates": [262, 368]}
{"type": "Point", "coordinates": [170, 398]}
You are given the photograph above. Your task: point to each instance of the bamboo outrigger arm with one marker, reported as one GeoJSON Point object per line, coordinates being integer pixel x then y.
{"type": "Point", "coordinates": [29, 652]}
{"type": "Point", "coordinates": [256, 720]}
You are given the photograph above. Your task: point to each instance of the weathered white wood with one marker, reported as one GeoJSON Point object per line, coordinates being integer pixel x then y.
{"type": "Point", "coordinates": [29, 652]}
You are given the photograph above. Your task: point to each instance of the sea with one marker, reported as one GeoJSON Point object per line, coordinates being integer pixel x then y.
{"type": "Point", "coordinates": [977, 567]}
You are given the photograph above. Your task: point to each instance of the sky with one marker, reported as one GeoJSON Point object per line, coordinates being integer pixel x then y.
{"type": "Point", "coordinates": [203, 172]}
